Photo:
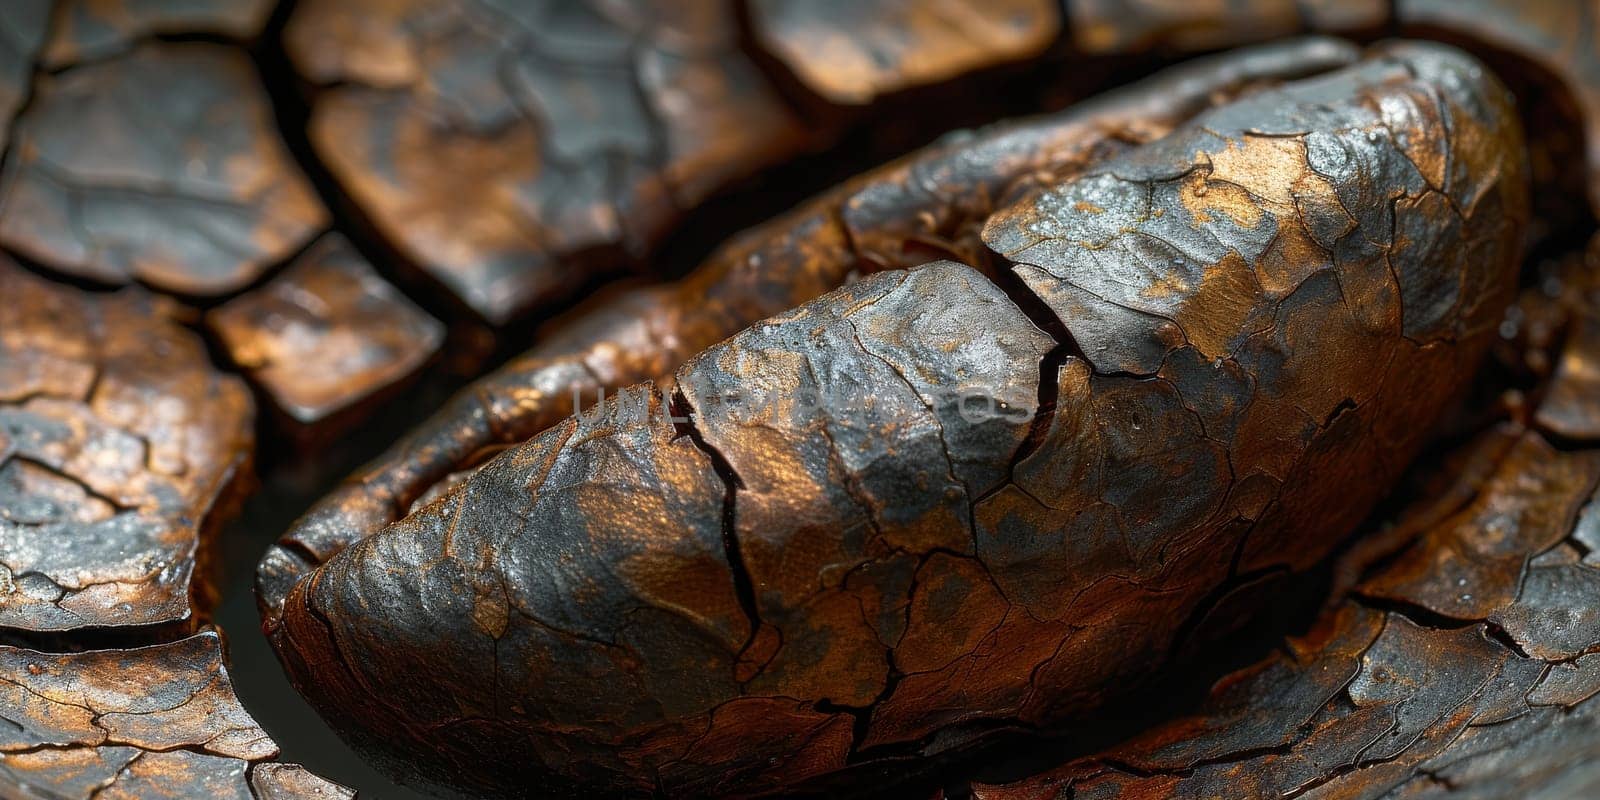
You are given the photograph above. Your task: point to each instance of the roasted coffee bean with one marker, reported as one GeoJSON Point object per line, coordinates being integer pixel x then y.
{"type": "Point", "coordinates": [933, 201]}
{"type": "Point", "coordinates": [808, 549]}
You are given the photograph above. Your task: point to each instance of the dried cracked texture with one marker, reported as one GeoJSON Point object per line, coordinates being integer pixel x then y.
{"type": "Point", "coordinates": [514, 153]}
{"type": "Point", "coordinates": [1466, 668]}
{"type": "Point", "coordinates": [1559, 35]}
{"type": "Point", "coordinates": [162, 166]}
{"type": "Point", "coordinates": [630, 583]}
{"type": "Point", "coordinates": [90, 29]}
{"type": "Point", "coordinates": [1124, 26]}
{"type": "Point", "coordinates": [838, 540]}
{"type": "Point", "coordinates": [931, 203]}
{"type": "Point", "coordinates": [850, 51]}
{"type": "Point", "coordinates": [326, 334]}
{"type": "Point", "coordinates": [142, 722]}
{"type": "Point", "coordinates": [1261, 302]}
{"type": "Point", "coordinates": [118, 441]}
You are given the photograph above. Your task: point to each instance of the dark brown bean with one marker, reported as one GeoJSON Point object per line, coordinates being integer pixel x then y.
{"type": "Point", "coordinates": [933, 201]}
{"type": "Point", "coordinates": [803, 554]}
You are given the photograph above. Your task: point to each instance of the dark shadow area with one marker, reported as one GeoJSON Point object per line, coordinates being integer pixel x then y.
{"type": "Point", "coordinates": [257, 678]}
{"type": "Point", "coordinates": [296, 471]}
{"type": "Point", "coordinates": [294, 479]}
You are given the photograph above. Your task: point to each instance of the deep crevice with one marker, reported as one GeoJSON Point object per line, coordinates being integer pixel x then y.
{"type": "Point", "coordinates": [1421, 615]}
{"type": "Point", "coordinates": [1066, 346]}
{"type": "Point", "coordinates": [77, 640]}
{"type": "Point", "coordinates": [1502, 636]}
{"type": "Point", "coordinates": [683, 414]}
{"type": "Point", "coordinates": [1198, 617]}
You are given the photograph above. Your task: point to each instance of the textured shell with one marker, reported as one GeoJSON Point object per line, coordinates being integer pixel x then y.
{"type": "Point", "coordinates": [807, 551]}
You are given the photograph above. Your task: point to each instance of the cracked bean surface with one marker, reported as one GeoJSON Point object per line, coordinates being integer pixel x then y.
{"type": "Point", "coordinates": [932, 202]}
{"type": "Point", "coordinates": [1463, 662]}
{"type": "Point", "coordinates": [1255, 317]}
